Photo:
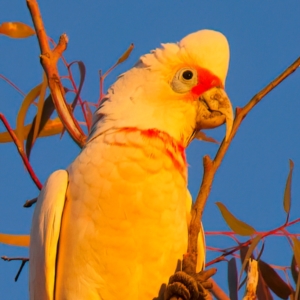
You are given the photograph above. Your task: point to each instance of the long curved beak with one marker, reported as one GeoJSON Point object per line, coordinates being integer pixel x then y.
{"type": "Point", "coordinates": [217, 100]}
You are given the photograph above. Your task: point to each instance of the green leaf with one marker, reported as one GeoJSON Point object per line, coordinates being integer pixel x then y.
{"type": "Point", "coordinates": [28, 100]}
{"type": "Point", "coordinates": [232, 279]}
{"type": "Point", "coordinates": [236, 225]}
{"type": "Point", "coordinates": [274, 281]}
{"type": "Point", "coordinates": [125, 55]}
{"type": "Point", "coordinates": [249, 253]}
{"type": "Point", "coordinates": [287, 191]}
{"type": "Point", "coordinates": [15, 240]}
{"type": "Point", "coordinates": [16, 30]}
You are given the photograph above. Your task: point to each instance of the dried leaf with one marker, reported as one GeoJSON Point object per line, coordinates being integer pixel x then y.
{"type": "Point", "coordinates": [52, 127]}
{"type": "Point", "coordinates": [232, 279]}
{"type": "Point", "coordinates": [262, 291]}
{"type": "Point", "coordinates": [296, 249]}
{"type": "Point", "coordinates": [16, 30]}
{"type": "Point", "coordinates": [292, 296]}
{"type": "Point", "coordinates": [15, 240]}
{"type": "Point", "coordinates": [297, 294]}
{"type": "Point", "coordinates": [287, 191]}
{"type": "Point", "coordinates": [243, 252]}
{"type": "Point", "coordinates": [261, 251]}
{"type": "Point", "coordinates": [48, 109]}
{"type": "Point", "coordinates": [248, 254]}
{"type": "Point", "coordinates": [82, 72]}
{"type": "Point", "coordinates": [200, 135]}
{"type": "Point", "coordinates": [37, 120]}
{"type": "Point", "coordinates": [274, 281]}
{"type": "Point", "coordinates": [28, 100]}
{"type": "Point", "coordinates": [125, 55]}
{"type": "Point", "coordinates": [66, 115]}
{"type": "Point", "coordinates": [81, 67]}
{"type": "Point", "coordinates": [238, 226]}
{"type": "Point", "coordinates": [294, 270]}
{"type": "Point", "coordinates": [242, 282]}
{"type": "Point", "coordinates": [89, 116]}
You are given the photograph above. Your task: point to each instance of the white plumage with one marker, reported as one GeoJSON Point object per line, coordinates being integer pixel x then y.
{"type": "Point", "coordinates": [114, 226]}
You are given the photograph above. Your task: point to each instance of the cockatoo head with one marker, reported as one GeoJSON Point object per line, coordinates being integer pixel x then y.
{"type": "Point", "coordinates": [177, 89]}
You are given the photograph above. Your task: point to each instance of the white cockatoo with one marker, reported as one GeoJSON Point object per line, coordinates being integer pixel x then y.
{"type": "Point", "coordinates": [114, 225]}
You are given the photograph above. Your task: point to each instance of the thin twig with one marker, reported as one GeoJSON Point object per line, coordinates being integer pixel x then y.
{"type": "Point", "coordinates": [14, 258]}
{"type": "Point", "coordinates": [101, 93]}
{"type": "Point", "coordinates": [23, 259]}
{"type": "Point", "coordinates": [29, 203]}
{"type": "Point", "coordinates": [211, 166]}
{"type": "Point", "coordinates": [77, 91]}
{"type": "Point", "coordinates": [49, 60]}
{"type": "Point", "coordinates": [21, 151]}
{"type": "Point", "coordinates": [248, 242]}
{"type": "Point", "coordinates": [12, 84]}
{"type": "Point", "coordinates": [20, 269]}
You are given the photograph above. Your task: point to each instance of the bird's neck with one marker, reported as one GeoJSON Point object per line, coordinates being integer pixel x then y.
{"type": "Point", "coordinates": [152, 140]}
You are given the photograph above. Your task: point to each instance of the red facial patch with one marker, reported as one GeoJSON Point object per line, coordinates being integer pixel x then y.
{"type": "Point", "coordinates": [206, 81]}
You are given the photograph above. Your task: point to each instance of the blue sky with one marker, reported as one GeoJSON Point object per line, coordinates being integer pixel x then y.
{"type": "Point", "coordinates": [264, 39]}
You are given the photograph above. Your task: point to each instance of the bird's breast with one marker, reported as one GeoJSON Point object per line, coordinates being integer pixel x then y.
{"type": "Point", "coordinates": [124, 223]}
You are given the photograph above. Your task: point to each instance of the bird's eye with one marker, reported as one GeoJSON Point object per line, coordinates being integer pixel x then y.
{"type": "Point", "coordinates": [187, 74]}
{"type": "Point", "coordinates": [184, 80]}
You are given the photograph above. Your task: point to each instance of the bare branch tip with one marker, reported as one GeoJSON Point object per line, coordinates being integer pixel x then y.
{"type": "Point", "coordinates": [238, 110]}
{"type": "Point", "coordinates": [64, 38]}
{"type": "Point", "coordinates": [207, 161]}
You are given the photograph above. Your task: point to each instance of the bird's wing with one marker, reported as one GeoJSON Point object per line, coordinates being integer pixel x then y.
{"type": "Point", "coordinates": [201, 237]}
{"type": "Point", "coordinates": [44, 236]}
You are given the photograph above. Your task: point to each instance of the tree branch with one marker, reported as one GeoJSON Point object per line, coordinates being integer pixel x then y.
{"type": "Point", "coordinates": [210, 168]}
{"type": "Point", "coordinates": [49, 60]}
{"type": "Point", "coordinates": [21, 151]}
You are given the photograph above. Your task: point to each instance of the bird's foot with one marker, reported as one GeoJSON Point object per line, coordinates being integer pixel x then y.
{"type": "Point", "coordinates": [189, 287]}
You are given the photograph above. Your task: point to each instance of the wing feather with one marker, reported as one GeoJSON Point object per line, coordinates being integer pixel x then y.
{"type": "Point", "coordinates": [44, 236]}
